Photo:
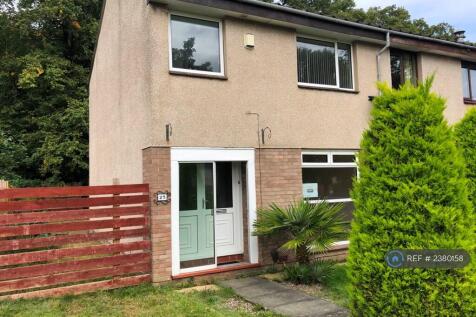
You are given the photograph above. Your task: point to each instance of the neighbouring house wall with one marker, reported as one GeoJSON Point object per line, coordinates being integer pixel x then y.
{"type": "Point", "coordinates": [119, 105]}
{"type": "Point", "coordinates": [156, 162]}
{"type": "Point", "coordinates": [211, 112]}
{"type": "Point", "coordinates": [448, 82]}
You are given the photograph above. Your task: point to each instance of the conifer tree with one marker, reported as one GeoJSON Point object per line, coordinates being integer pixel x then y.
{"type": "Point", "coordinates": [465, 132]}
{"type": "Point", "coordinates": [411, 194]}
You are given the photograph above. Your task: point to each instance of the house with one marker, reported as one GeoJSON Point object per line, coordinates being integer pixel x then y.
{"type": "Point", "coordinates": [226, 106]}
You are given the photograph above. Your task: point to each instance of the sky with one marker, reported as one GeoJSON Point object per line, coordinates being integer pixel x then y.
{"type": "Point", "coordinates": [459, 13]}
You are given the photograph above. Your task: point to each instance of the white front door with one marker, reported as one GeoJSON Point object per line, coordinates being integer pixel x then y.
{"type": "Point", "coordinates": [229, 213]}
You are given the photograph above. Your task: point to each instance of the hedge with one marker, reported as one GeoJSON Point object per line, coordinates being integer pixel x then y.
{"type": "Point", "coordinates": [465, 132]}
{"type": "Point", "coordinates": [411, 194]}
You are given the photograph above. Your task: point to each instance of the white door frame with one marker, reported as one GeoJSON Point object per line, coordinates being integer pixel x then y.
{"type": "Point", "coordinates": [202, 155]}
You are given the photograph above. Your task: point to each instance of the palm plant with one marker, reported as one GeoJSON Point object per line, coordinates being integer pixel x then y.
{"type": "Point", "coordinates": [312, 228]}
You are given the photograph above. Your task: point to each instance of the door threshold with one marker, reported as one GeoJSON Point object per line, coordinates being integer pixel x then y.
{"type": "Point", "coordinates": [221, 269]}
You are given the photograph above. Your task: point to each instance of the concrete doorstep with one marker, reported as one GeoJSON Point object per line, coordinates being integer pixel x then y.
{"type": "Point", "coordinates": [283, 300]}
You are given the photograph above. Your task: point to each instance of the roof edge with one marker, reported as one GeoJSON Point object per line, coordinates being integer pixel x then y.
{"type": "Point", "coordinates": [278, 12]}
{"type": "Point", "coordinates": [274, 6]}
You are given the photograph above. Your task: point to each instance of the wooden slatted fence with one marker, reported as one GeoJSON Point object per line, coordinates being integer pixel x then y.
{"type": "Point", "coordinates": [70, 240]}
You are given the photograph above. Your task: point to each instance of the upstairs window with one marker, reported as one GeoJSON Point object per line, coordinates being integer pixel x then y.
{"type": "Point", "coordinates": [468, 72]}
{"type": "Point", "coordinates": [195, 45]}
{"type": "Point", "coordinates": [324, 64]}
{"type": "Point", "coordinates": [403, 67]}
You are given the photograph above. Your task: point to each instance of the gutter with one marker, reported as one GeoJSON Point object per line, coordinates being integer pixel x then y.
{"type": "Point", "coordinates": [379, 55]}
{"type": "Point", "coordinates": [354, 24]}
{"type": "Point", "coordinates": [319, 17]}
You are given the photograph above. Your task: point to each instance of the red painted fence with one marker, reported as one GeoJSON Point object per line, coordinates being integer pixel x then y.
{"type": "Point", "coordinates": [70, 240]}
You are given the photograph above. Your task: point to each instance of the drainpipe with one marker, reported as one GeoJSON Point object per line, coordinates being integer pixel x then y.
{"type": "Point", "coordinates": [387, 45]}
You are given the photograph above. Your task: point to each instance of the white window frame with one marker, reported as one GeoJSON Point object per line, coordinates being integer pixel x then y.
{"type": "Point", "coordinates": [330, 164]}
{"type": "Point", "coordinates": [193, 71]}
{"type": "Point", "coordinates": [337, 86]}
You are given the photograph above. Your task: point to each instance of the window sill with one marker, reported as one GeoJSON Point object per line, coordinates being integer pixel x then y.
{"type": "Point", "coordinates": [355, 92]}
{"type": "Point", "coordinates": [190, 74]}
{"type": "Point", "coordinates": [470, 102]}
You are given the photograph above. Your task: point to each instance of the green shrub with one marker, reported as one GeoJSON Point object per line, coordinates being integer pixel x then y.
{"type": "Point", "coordinates": [310, 273]}
{"type": "Point", "coordinates": [411, 194]}
{"type": "Point", "coordinates": [311, 228]}
{"type": "Point", "coordinates": [465, 132]}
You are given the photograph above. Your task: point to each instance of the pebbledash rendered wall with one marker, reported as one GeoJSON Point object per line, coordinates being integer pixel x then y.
{"type": "Point", "coordinates": [133, 95]}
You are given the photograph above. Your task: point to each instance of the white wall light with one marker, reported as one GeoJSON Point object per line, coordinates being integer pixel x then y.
{"type": "Point", "coordinates": [249, 40]}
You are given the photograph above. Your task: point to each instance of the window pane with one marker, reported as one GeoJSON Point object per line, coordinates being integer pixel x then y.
{"type": "Point", "coordinates": [316, 62]}
{"type": "Point", "coordinates": [343, 158]}
{"type": "Point", "coordinates": [348, 210]}
{"type": "Point", "coordinates": [473, 83]}
{"type": "Point", "coordinates": [345, 65]}
{"type": "Point", "coordinates": [396, 69]}
{"type": "Point", "coordinates": [332, 183]}
{"type": "Point", "coordinates": [409, 68]}
{"type": "Point", "coordinates": [195, 44]}
{"type": "Point", "coordinates": [224, 185]}
{"type": "Point", "coordinates": [465, 76]}
{"type": "Point", "coordinates": [403, 67]}
{"type": "Point", "coordinates": [315, 158]}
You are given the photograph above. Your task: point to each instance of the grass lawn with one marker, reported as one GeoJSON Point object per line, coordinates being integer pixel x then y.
{"type": "Point", "coordinates": [336, 288]}
{"type": "Point", "coordinates": [144, 300]}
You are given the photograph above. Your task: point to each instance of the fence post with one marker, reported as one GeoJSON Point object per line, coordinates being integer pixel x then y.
{"type": "Point", "coordinates": [4, 184]}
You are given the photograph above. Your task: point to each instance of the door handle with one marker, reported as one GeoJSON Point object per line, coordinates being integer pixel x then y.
{"type": "Point", "coordinates": [221, 211]}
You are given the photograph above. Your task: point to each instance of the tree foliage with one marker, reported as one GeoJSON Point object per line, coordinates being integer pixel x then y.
{"type": "Point", "coordinates": [411, 194]}
{"type": "Point", "coordinates": [391, 17]}
{"type": "Point", "coordinates": [46, 51]}
{"type": "Point", "coordinates": [465, 132]}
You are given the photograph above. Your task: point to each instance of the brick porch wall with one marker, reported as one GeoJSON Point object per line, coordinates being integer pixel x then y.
{"type": "Point", "coordinates": [156, 173]}
{"type": "Point", "coordinates": [281, 183]}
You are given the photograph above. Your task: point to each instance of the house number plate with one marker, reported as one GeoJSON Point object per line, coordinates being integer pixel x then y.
{"type": "Point", "coordinates": [162, 198]}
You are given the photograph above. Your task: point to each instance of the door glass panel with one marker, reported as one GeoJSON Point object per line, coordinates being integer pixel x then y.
{"type": "Point", "coordinates": [188, 186]}
{"type": "Point", "coordinates": [209, 200]}
{"type": "Point", "coordinates": [196, 219]}
{"type": "Point", "coordinates": [224, 185]}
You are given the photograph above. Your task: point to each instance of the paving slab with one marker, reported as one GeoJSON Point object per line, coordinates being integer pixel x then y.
{"type": "Point", "coordinates": [201, 288]}
{"type": "Point", "coordinates": [283, 300]}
